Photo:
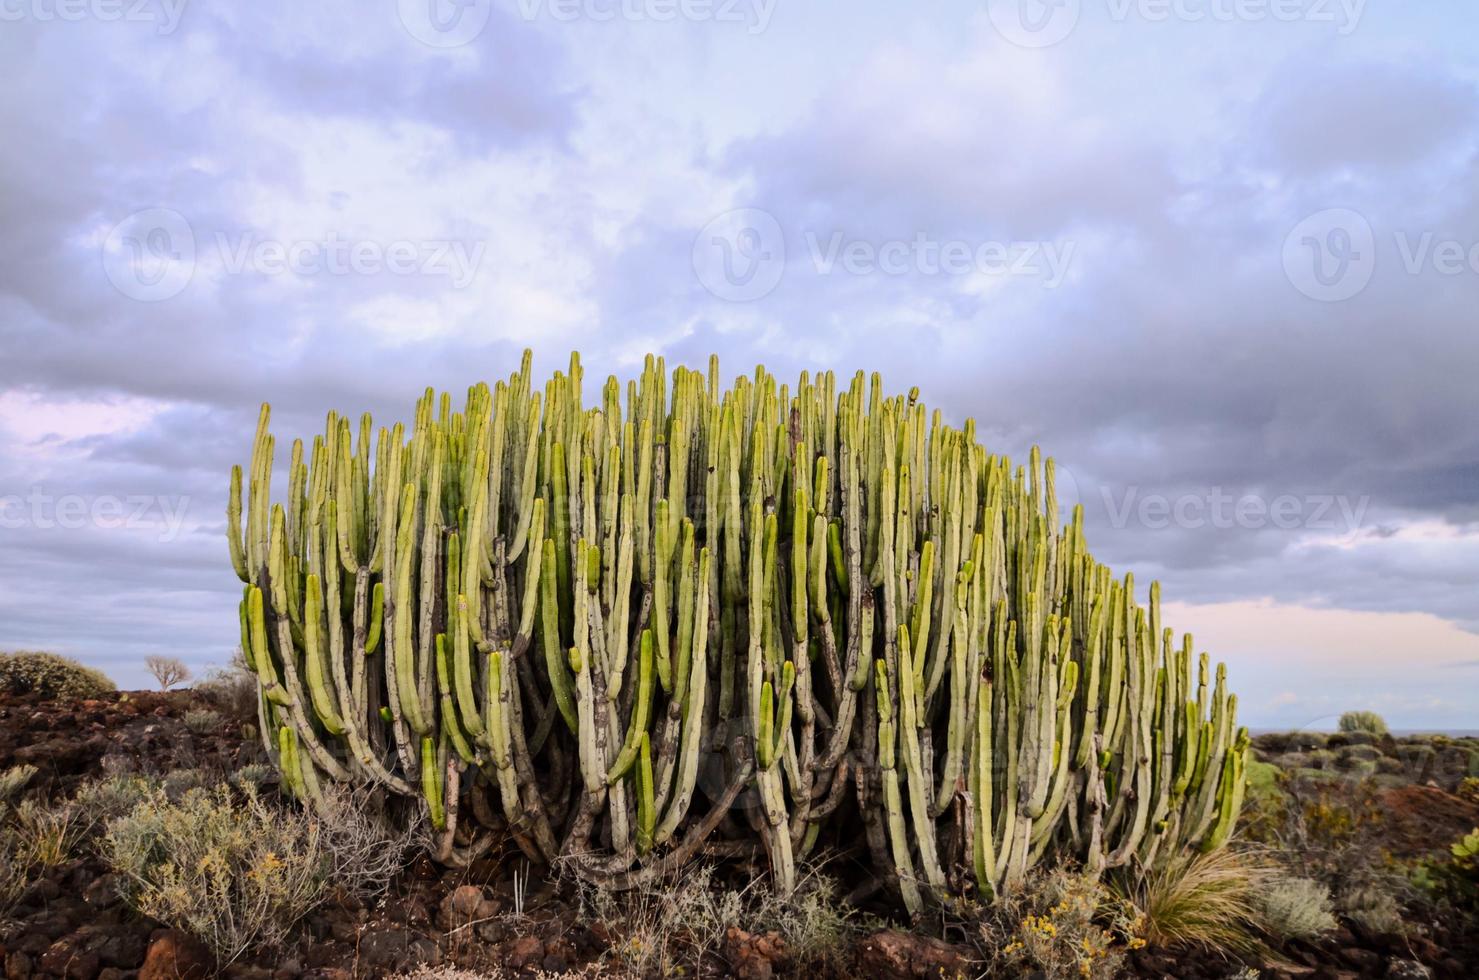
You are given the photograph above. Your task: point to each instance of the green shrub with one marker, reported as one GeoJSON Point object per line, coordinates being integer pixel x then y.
{"type": "Point", "coordinates": [106, 799]}
{"type": "Point", "coordinates": [178, 782]}
{"type": "Point", "coordinates": [1313, 775]}
{"type": "Point", "coordinates": [204, 721]}
{"type": "Point", "coordinates": [1372, 907]}
{"type": "Point", "coordinates": [1418, 760]}
{"type": "Point", "coordinates": [1265, 803]}
{"type": "Point", "coordinates": [1362, 721]}
{"type": "Point", "coordinates": [1389, 766]}
{"type": "Point", "coordinates": [1296, 908]}
{"type": "Point", "coordinates": [255, 773]}
{"type": "Point", "coordinates": [50, 675]}
{"type": "Point", "coordinates": [1456, 876]}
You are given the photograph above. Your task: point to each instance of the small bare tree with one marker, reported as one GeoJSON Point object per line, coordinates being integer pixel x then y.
{"type": "Point", "coordinates": [168, 671]}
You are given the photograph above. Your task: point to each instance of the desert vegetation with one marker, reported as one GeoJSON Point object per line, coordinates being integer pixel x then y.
{"type": "Point", "coordinates": [177, 841]}
{"type": "Point", "coordinates": [167, 671]}
{"type": "Point", "coordinates": [551, 617]}
{"type": "Point", "coordinates": [48, 674]}
{"type": "Point", "coordinates": [755, 682]}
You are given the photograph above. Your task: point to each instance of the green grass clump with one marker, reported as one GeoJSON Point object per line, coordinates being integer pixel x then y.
{"type": "Point", "coordinates": [204, 721]}
{"type": "Point", "coordinates": [13, 781]}
{"type": "Point", "coordinates": [48, 674]}
{"type": "Point", "coordinates": [1362, 721]}
{"type": "Point", "coordinates": [1372, 907]}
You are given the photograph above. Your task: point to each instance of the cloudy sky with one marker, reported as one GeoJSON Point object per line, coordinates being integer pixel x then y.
{"type": "Point", "coordinates": [1219, 257]}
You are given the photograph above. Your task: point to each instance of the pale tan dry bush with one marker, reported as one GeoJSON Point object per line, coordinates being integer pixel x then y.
{"type": "Point", "coordinates": [238, 872]}
{"type": "Point", "coordinates": [13, 781]}
{"type": "Point", "coordinates": [1297, 908]}
{"type": "Point", "coordinates": [168, 671]}
{"type": "Point", "coordinates": [671, 926]}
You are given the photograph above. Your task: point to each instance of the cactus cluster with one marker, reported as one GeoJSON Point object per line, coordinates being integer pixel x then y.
{"type": "Point", "coordinates": [748, 619]}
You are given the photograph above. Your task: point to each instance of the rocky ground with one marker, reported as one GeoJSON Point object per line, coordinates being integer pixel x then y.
{"type": "Point", "coordinates": [72, 924]}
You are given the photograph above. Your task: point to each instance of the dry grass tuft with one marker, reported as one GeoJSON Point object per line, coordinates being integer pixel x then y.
{"type": "Point", "coordinates": [1211, 901]}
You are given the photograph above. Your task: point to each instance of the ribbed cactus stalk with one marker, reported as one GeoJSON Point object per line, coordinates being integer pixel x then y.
{"type": "Point", "coordinates": [595, 628]}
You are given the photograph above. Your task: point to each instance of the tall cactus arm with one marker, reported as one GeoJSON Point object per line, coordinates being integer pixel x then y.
{"type": "Point", "coordinates": [314, 662]}
{"type": "Point", "coordinates": [233, 527]}
{"type": "Point", "coordinates": [637, 731]}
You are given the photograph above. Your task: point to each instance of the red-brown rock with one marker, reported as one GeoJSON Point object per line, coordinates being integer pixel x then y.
{"type": "Point", "coordinates": [175, 955]}
{"type": "Point", "coordinates": [904, 956]}
{"type": "Point", "coordinates": [755, 957]}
